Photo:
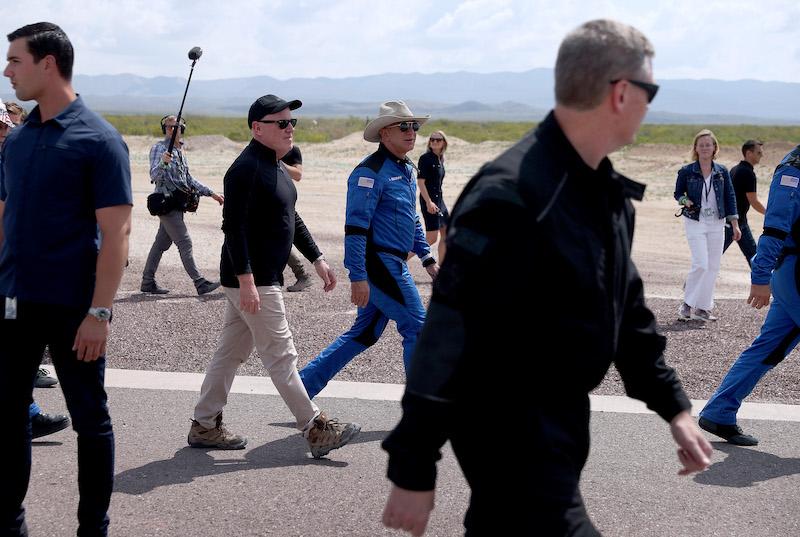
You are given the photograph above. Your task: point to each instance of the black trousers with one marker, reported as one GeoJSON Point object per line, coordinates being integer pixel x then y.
{"type": "Point", "coordinates": [525, 479]}
{"type": "Point", "coordinates": [24, 340]}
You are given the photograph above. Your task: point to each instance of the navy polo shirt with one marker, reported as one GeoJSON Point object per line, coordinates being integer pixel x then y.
{"type": "Point", "coordinates": [53, 177]}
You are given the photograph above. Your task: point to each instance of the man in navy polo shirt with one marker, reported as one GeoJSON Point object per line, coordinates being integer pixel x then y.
{"type": "Point", "coordinates": [64, 183]}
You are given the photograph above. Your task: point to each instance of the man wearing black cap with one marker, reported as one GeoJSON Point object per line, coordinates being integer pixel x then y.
{"type": "Point", "coordinates": [260, 225]}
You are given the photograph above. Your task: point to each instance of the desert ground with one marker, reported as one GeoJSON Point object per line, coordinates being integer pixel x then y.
{"type": "Point", "coordinates": [178, 331]}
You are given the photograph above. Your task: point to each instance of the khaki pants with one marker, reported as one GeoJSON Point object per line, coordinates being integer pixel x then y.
{"type": "Point", "coordinates": [267, 330]}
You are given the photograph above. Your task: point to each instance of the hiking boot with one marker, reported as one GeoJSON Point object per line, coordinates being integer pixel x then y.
{"type": "Point", "coordinates": [732, 433]}
{"type": "Point", "coordinates": [43, 424]}
{"type": "Point", "coordinates": [326, 434]}
{"type": "Point", "coordinates": [43, 379]}
{"type": "Point", "coordinates": [205, 287]}
{"type": "Point", "coordinates": [153, 288]}
{"type": "Point", "coordinates": [684, 312]}
{"type": "Point", "coordinates": [702, 315]}
{"type": "Point", "coordinates": [303, 282]}
{"type": "Point", "coordinates": [219, 437]}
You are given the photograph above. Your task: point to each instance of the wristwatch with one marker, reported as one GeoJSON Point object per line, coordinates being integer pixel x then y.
{"type": "Point", "coordinates": [101, 314]}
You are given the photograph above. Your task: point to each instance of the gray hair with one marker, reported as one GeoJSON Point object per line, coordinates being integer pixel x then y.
{"type": "Point", "coordinates": [593, 55]}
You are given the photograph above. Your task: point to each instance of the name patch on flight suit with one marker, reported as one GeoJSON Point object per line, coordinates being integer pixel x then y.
{"type": "Point", "coordinates": [788, 180]}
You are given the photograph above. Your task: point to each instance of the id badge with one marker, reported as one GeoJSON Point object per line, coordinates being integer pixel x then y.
{"type": "Point", "coordinates": [11, 308]}
{"type": "Point", "coordinates": [708, 212]}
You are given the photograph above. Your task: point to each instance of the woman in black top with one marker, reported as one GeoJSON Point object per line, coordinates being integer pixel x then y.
{"type": "Point", "coordinates": [429, 179]}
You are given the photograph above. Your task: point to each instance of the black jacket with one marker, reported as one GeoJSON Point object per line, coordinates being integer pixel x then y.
{"type": "Point", "coordinates": [535, 231]}
{"type": "Point", "coordinates": [259, 220]}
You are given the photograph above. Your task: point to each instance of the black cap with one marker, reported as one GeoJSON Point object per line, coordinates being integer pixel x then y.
{"type": "Point", "coordinates": [269, 104]}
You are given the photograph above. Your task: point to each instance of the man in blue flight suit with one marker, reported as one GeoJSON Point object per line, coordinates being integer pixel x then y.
{"type": "Point", "coordinates": [381, 227]}
{"type": "Point", "coordinates": [775, 261]}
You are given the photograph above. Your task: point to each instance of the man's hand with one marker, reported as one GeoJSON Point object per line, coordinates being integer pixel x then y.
{"type": "Point", "coordinates": [218, 198]}
{"type": "Point", "coordinates": [90, 340]}
{"type": "Point", "coordinates": [433, 270]}
{"type": "Point", "coordinates": [249, 301]}
{"type": "Point", "coordinates": [359, 293]}
{"type": "Point", "coordinates": [759, 296]}
{"type": "Point", "coordinates": [326, 273]}
{"type": "Point", "coordinates": [166, 158]}
{"type": "Point", "coordinates": [737, 232]}
{"type": "Point", "coordinates": [694, 451]}
{"type": "Point", "coordinates": [408, 510]}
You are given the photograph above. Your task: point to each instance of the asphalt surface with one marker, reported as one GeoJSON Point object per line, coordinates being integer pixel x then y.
{"type": "Point", "coordinates": [274, 487]}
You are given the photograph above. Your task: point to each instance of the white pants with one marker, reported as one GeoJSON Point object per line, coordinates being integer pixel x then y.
{"type": "Point", "coordinates": [705, 240]}
{"type": "Point", "coordinates": [267, 330]}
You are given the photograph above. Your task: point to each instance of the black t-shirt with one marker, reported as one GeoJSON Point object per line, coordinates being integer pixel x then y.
{"type": "Point", "coordinates": [293, 157]}
{"type": "Point", "coordinates": [432, 170]}
{"type": "Point", "coordinates": [744, 181]}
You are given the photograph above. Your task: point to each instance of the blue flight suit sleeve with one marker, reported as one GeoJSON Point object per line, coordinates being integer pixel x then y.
{"type": "Point", "coordinates": [782, 212]}
{"type": "Point", "coordinates": [364, 188]}
{"type": "Point", "coordinates": [421, 246]}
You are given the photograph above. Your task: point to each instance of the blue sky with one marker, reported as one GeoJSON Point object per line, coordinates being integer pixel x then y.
{"type": "Point", "coordinates": [729, 40]}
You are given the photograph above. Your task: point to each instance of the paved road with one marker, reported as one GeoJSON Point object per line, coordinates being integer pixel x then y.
{"type": "Point", "coordinates": [274, 487]}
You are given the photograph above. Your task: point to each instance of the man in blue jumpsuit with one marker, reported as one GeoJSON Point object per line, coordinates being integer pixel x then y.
{"type": "Point", "coordinates": [775, 261]}
{"type": "Point", "coordinates": [381, 227]}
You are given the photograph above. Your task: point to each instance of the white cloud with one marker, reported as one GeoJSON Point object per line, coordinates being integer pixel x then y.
{"type": "Point", "coordinates": [282, 38]}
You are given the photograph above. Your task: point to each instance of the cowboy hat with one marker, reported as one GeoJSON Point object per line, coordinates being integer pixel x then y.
{"type": "Point", "coordinates": [389, 113]}
{"type": "Point", "coordinates": [4, 118]}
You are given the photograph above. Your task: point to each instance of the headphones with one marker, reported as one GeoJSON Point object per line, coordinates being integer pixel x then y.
{"type": "Point", "coordinates": [164, 124]}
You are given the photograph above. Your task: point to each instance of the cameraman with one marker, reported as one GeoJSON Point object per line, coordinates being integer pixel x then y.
{"type": "Point", "coordinates": [170, 173]}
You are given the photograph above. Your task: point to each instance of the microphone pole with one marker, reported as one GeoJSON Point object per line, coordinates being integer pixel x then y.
{"type": "Point", "coordinates": [194, 55]}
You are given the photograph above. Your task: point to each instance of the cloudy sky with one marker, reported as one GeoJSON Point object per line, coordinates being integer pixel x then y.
{"type": "Point", "coordinates": [725, 39]}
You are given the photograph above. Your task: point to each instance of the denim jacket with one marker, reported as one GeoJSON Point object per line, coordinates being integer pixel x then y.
{"type": "Point", "coordinates": [690, 183]}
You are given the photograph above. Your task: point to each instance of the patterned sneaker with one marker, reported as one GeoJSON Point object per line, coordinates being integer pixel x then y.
{"type": "Point", "coordinates": [702, 315]}
{"type": "Point", "coordinates": [43, 379]}
{"type": "Point", "coordinates": [219, 437]}
{"type": "Point", "coordinates": [684, 312]}
{"type": "Point", "coordinates": [325, 435]}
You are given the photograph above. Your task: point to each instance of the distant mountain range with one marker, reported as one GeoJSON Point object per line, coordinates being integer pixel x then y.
{"type": "Point", "coordinates": [505, 96]}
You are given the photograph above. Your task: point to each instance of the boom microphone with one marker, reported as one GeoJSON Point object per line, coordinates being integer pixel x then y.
{"type": "Point", "coordinates": [194, 55]}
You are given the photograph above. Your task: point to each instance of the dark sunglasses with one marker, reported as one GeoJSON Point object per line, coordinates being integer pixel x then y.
{"type": "Point", "coordinates": [651, 89]}
{"type": "Point", "coordinates": [436, 139]}
{"type": "Point", "coordinates": [282, 123]}
{"type": "Point", "coordinates": [405, 125]}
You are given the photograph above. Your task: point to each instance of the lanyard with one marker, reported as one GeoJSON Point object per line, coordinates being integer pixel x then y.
{"type": "Point", "coordinates": [707, 188]}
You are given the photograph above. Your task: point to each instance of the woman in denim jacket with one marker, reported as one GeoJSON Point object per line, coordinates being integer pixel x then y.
{"type": "Point", "coordinates": [705, 192]}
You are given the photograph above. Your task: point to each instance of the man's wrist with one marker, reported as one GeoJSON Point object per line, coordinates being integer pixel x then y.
{"type": "Point", "coordinates": [319, 259]}
{"type": "Point", "coordinates": [100, 313]}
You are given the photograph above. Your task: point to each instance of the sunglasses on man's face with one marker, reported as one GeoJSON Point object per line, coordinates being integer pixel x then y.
{"type": "Point", "coordinates": [405, 125]}
{"type": "Point", "coordinates": [650, 89]}
{"type": "Point", "coordinates": [282, 123]}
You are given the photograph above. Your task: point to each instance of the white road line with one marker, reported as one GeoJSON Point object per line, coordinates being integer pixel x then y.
{"type": "Point", "coordinates": [160, 380]}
